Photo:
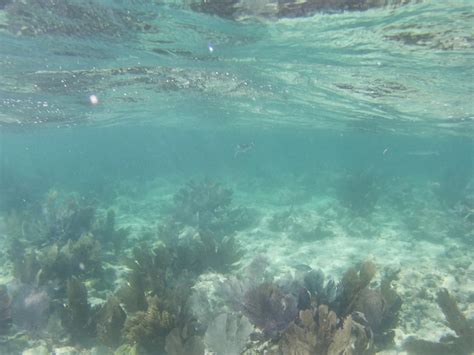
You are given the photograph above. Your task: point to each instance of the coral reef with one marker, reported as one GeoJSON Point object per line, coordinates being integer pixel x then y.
{"type": "Point", "coordinates": [307, 315]}
{"type": "Point", "coordinates": [66, 273]}
{"type": "Point", "coordinates": [462, 343]}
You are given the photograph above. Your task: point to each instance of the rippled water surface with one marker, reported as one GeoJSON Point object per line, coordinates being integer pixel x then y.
{"type": "Point", "coordinates": [396, 68]}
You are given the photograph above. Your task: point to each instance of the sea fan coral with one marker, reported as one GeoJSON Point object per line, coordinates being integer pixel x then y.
{"type": "Point", "coordinates": [177, 344]}
{"type": "Point", "coordinates": [110, 320]}
{"type": "Point", "coordinates": [29, 306]}
{"type": "Point", "coordinates": [269, 309]}
{"type": "Point", "coordinates": [228, 333]}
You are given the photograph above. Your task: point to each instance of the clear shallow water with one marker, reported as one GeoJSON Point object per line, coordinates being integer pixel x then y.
{"type": "Point", "coordinates": [344, 135]}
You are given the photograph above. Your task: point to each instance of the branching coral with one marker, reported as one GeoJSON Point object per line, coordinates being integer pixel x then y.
{"type": "Point", "coordinates": [462, 344]}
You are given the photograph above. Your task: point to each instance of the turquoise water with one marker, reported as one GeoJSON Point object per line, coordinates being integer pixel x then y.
{"type": "Point", "coordinates": [176, 176]}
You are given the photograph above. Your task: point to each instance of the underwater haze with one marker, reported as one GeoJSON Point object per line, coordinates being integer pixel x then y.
{"type": "Point", "coordinates": [232, 177]}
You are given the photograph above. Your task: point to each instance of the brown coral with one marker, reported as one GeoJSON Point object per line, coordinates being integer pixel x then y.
{"type": "Point", "coordinates": [317, 334]}
{"type": "Point", "coordinates": [110, 320]}
{"type": "Point", "coordinates": [149, 329]}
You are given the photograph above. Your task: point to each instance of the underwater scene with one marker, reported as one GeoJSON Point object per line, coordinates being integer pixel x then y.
{"type": "Point", "coordinates": [236, 177]}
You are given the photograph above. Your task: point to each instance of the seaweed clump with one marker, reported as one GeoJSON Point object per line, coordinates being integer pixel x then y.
{"type": "Point", "coordinates": [461, 344]}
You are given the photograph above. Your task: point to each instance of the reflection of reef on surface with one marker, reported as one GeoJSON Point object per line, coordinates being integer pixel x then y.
{"type": "Point", "coordinates": [286, 8]}
{"type": "Point", "coordinates": [33, 18]}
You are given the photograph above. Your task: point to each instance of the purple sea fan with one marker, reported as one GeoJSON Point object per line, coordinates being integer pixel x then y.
{"type": "Point", "coordinates": [268, 308]}
{"type": "Point", "coordinates": [29, 307]}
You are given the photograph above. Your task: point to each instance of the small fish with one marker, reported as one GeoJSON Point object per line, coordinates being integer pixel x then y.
{"type": "Point", "coordinates": [243, 148]}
